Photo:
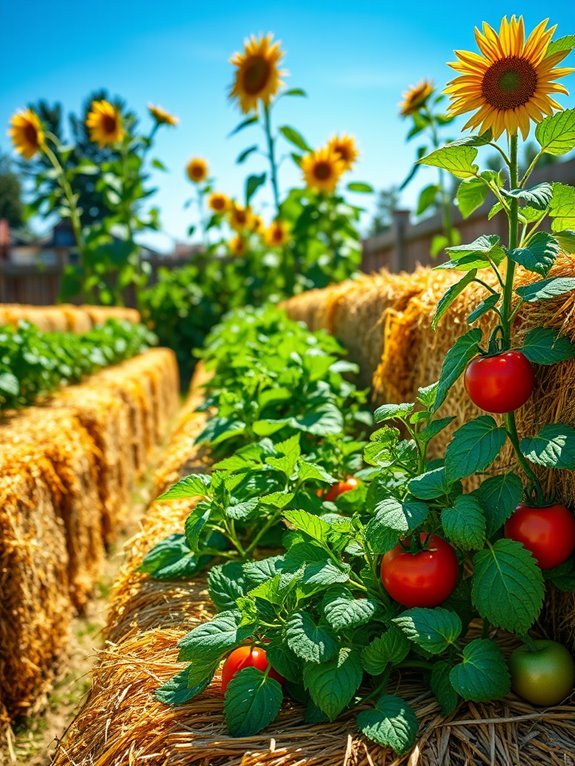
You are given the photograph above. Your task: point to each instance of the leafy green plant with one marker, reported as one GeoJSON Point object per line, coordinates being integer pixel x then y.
{"type": "Point", "coordinates": [34, 363]}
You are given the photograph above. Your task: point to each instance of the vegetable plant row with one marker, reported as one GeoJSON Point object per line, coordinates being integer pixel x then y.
{"type": "Point", "coordinates": [34, 363]}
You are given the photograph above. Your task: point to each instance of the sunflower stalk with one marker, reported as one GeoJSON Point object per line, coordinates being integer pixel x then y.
{"type": "Point", "coordinates": [271, 157]}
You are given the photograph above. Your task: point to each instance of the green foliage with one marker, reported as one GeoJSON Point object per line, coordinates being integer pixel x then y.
{"type": "Point", "coordinates": [34, 363]}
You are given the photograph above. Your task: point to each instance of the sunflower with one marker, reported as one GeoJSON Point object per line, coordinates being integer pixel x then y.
{"type": "Point", "coordinates": [322, 169]}
{"type": "Point", "coordinates": [258, 224]}
{"type": "Point", "coordinates": [161, 116]}
{"type": "Point", "coordinates": [197, 170]}
{"type": "Point", "coordinates": [511, 81]}
{"type": "Point", "coordinates": [415, 97]}
{"type": "Point", "coordinates": [240, 218]}
{"type": "Point", "coordinates": [237, 245]}
{"type": "Point", "coordinates": [104, 122]}
{"type": "Point", "coordinates": [277, 234]}
{"type": "Point", "coordinates": [346, 148]}
{"type": "Point", "coordinates": [257, 76]}
{"type": "Point", "coordinates": [26, 133]}
{"type": "Point", "coordinates": [218, 202]}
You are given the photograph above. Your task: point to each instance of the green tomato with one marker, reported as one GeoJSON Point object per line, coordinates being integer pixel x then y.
{"type": "Point", "coordinates": [543, 674]}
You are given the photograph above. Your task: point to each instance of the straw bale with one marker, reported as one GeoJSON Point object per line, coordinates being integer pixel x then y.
{"type": "Point", "coordinates": [35, 608]}
{"type": "Point", "coordinates": [77, 319]}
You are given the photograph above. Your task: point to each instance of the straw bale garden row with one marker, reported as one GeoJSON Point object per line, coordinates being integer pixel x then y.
{"type": "Point", "coordinates": [360, 544]}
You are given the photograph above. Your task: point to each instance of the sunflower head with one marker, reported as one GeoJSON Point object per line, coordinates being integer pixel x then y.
{"type": "Point", "coordinates": [161, 116]}
{"type": "Point", "coordinates": [257, 76]}
{"type": "Point", "coordinates": [346, 148]}
{"type": "Point", "coordinates": [511, 81]}
{"type": "Point", "coordinates": [104, 123]}
{"type": "Point", "coordinates": [241, 218]}
{"type": "Point", "coordinates": [415, 98]}
{"type": "Point", "coordinates": [26, 133]}
{"type": "Point", "coordinates": [218, 202]}
{"type": "Point", "coordinates": [322, 169]}
{"type": "Point", "coordinates": [258, 224]}
{"type": "Point", "coordinates": [237, 245]}
{"type": "Point", "coordinates": [197, 170]}
{"type": "Point", "coordinates": [277, 234]}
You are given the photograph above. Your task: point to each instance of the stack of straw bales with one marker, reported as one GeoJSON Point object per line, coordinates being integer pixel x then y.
{"type": "Point", "coordinates": [65, 317]}
{"type": "Point", "coordinates": [122, 723]}
{"type": "Point", "coordinates": [66, 473]}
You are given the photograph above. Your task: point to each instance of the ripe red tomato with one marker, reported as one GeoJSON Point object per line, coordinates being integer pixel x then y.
{"type": "Point", "coordinates": [424, 578]}
{"type": "Point", "coordinates": [549, 533]}
{"type": "Point", "coordinates": [543, 674]}
{"type": "Point", "coordinates": [340, 487]}
{"type": "Point", "coordinates": [500, 383]}
{"type": "Point", "coordinates": [246, 657]}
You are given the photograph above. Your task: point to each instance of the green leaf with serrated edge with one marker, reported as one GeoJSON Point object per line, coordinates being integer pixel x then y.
{"type": "Point", "coordinates": [391, 411]}
{"type": "Point", "coordinates": [467, 263]}
{"type": "Point", "coordinates": [295, 137]}
{"type": "Point", "coordinates": [426, 394]}
{"type": "Point", "coordinates": [225, 584]}
{"type": "Point", "coordinates": [392, 723]}
{"type": "Point", "coordinates": [553, 447]}
{"type": "Point", "coordinates": [435, 427]}
{"type": "Point", "coordinates": [379, 537]}
{"type": "Point", "coordinates": [256, 572]}
{"type": "Point", "coordinates": [563, 576]}
{"type": "Point", "coordinates": [313, 471]}
{"type": "Point", "coordinates": [401, 515]}
{"type": "Point", "coordinates": [456, 159]}
{"type": "Point", "coordinates": [539, 256]}
{"type": "Point", "coordinates": [452, 292]}
{"type": "Point", "coordinates": [333, 684]}
{"type": "Point", "coordinates": [343, 611]}
{"type": "Point", "coordinates": [306, 522]}
{"type": "Point", "coordinates": [473, 447]}
{"type": "Point", "coordinates": [538, 197]}
{"type": "Point", "coordinates": [219, 430]}
{"type": "Point", "coordinates": [176, 691]}
{"type": "Point", "coordinates": [201, 671]}
{"type": "Point", "coordinates": [284, 661]}
{"type": "Point", "coordinates": [483, 307]}
{"type": "Point", "coordinates": [499, 497]}
{"type": "Point", "coordinates": [321, 422]}
{"type": "Point", "coordinates": [195, 524]}
{"type": "Point", "coordinates": [253, 700]}
{"type": "Point", "coordinates": [508, 586]}
{"type": "Point", "coordinates": [545, 289]}
{"type": "Point", "coordinates": [391, 648]}
{"type": "Point", "coordinates": [471, 194]}
{"type": "Point", "coordinates": [455, 362]}
{"type": "Point", "coordinates": [464, 524]}
{"type": "Point", "coordinates": [243, 510]}
{"type": "Point", "coordinates": [323, 573]}
{"type": "Point", "coordinates": [441, 687]}
{"type": "Point", "coordinates": [430, 485]}
{"type": "Point", "coordinates": [483, 674]}
{"type": "Point", "coordinates": [566, 240]}
{"type": "Point", "coordinates": [277, 499]}
{"type": "Point", "coordinates": [556, 133]}
{"type": "Point", "coordinates": [562, 207]}
{"type": "Point", "coordinates": [195, 485]}
{"type": "Point", "coordinates": [431, 629]}
{"type": "Point", "coordinates": [544, 345]}
{"type": "Point", "coordinates": [214, 638]}
{"type": "Point", "coordinates": [480, 140]}
{"type": "Point", "coordinates": [172, 559]}
{"type": "Point", "coordinates": [488, 245]}
{"type": "Point", "coordinates": [566, 43]}
{"type": "Point", "coordinates": [310, 642]}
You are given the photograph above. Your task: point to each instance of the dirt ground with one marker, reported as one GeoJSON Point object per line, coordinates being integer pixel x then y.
{"type": "Point", "coordinates": [33, 741]}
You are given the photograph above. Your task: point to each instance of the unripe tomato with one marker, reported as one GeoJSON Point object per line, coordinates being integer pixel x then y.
{"type": "Point", "coordinates": [340, 487]}
{"type": "Point", "coordinates": [544, 674]}
{"type": "Point", "coordinates": [246, 657]}
{"type": "Point", "coordinates": [549, 533]}
{"type": "Point", "coordinates": [424, 578]}
{"type": "Point", "coordinates": [500, 383]}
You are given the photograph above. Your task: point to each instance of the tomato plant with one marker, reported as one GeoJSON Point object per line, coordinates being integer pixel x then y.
{"type": "Point", "coordinates": [246, 657]}
{"type": "Point", "coordinates": [426, 576]}
{"type": "Point", "coordinates": [549, 533]}
{"type": "Point", "coordinates": [500, 383]}
{"type": "Point", "coordinates": [543, 672]}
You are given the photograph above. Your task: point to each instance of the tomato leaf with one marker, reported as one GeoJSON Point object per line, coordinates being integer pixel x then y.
{"type": "Point", "coordinates": [343, 611]}
{"type": "Point", "coordinates": [195, 485]}
{"type": "Point", "coordinates": [391, 648]}
{"type": "Point", "coordinates": [474, 447]}
{"type": "Point", "coordinates": [464, 524]}
{"type": "Point", "coordinates": [312, 525]}
{"type": "Point", "coordinates": [538, 197]}
{"type": "Point", "coordinates": [455, 362]}
{"type": "Point", "coordinates": [507, 586]}
{"type": "Point", "coordinates": [214, 638]}
{"type": "Point", "coordinates": [252, 702]}
{"type": "Point", "coordinates": [310, 642]}
{"type": "Point", "coordinates": [483, 673]}
{"type": "Point", "coordinates": [391, 411]}
{"type": "Point", "coordinates": [431, 629]}
{"type": "Point", "coordinates": [451, 294]}
{"type": "Point", "coordinates": [441, 686]}
{"type": "Point", "coordinates": [226, 583]}
{"type": "Point", "coordinates": [172, 559]}
{"type": "Point", "coordinates": [483, 307]}
{"type": "Point", "coordinates": [430, 485]}
{"type": "Point", "coordinates": [176, 691]}
{"type": "Point", "coordinates": [499, 496]}
{"type": "Point", "coordinates": [333, 684]}
{"type": "Point", "coordinates": [553, 447]}
{"type": "Point", "coordinates": [392, 723]}
{"type": "Point", "coordinates": [539, 256]}
{"type": "Point", "coordinates": [544, 345]}
{"type": "Point", "coordinates": [401, 516]}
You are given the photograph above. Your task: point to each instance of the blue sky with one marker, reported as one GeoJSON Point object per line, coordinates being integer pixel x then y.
{"type": "Point", "coordinates": [353, 58]}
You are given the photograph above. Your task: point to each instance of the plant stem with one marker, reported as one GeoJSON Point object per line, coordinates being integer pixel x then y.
{"type": "Point", "coordinates": [202, 216]}
{"type": "Point", "coordinates": [272, 157]}
{"type": "Point", "coordinates": [444, 196]}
